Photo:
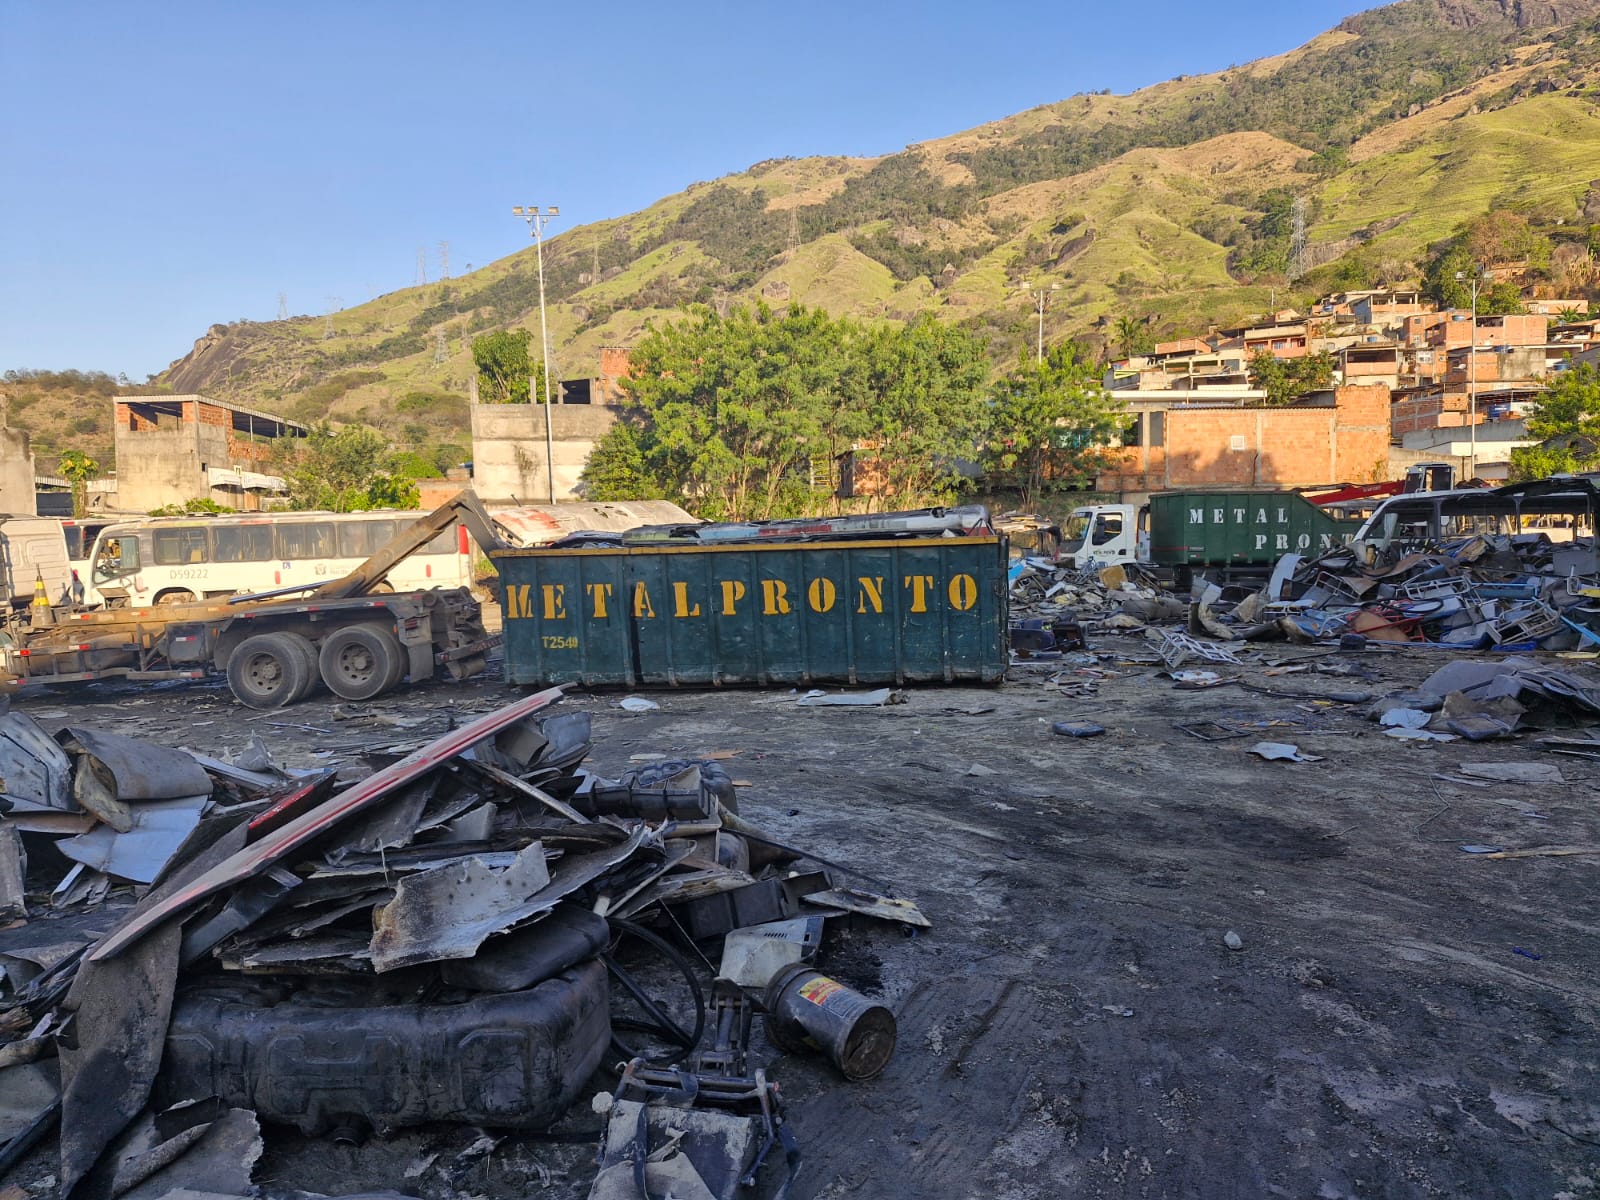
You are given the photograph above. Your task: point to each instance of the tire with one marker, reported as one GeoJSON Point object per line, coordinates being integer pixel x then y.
{"type": "Point", "coordinates": [308, 656]}
{"type": "Point", "coordinates": [359, 662]}
{"type": "Point", "coordinates": [177, 596]}
{"type": "Point", "coordinates": [267, 671]}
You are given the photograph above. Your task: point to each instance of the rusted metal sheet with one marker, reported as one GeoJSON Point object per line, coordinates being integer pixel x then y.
{"type": "Point", "coordinates": [278, 844]}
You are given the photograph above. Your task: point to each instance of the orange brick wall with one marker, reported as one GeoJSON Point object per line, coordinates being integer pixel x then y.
{"type": "Point", "coordinates": [1282, 446]}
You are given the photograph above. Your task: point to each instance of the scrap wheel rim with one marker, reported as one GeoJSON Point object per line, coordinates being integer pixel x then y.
{"type": "Point", "coordinates": [263, 673]}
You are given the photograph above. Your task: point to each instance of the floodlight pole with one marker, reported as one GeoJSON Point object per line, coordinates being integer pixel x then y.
{"type": "Point", "coordinates": [537, 219]}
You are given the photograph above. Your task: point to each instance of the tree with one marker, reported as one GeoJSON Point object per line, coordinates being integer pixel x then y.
{"type": "Point", "coordinates": [1133, 335]}
{"type": "Point", "coordinates": [77, 468]}
{"type": "Point", "coordinates": [1051, 423]}
{"type": "Point", "coordinates": [914, 408]}
{"type": "Point", "coordinates": [505, 368]}
{"type": "Point", "coordinates": [1285, 380]}
{"type": "Point", "coordinates": [744, 415]}
{"type": "Point", "coordinates": [346, 471]}
{"type": "Point", "coordinates": [1567, 425]}
{"type": "Point", "coordinates": [616, 470]}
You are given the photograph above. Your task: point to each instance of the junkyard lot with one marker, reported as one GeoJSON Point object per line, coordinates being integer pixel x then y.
{"type": "Point", "coordinates": [1074, 1024]}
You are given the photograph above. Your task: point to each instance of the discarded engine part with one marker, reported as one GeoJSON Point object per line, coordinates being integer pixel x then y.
{"type": "Point", "coordinates": [754, 904]}
{"type": "Point", "coordinates": [518, 960]}
{"type": "Point", "coordinates": [514, 1060]}
{"type": "Point", "coordinates": [729, 1018]}
{"type": "Point", "coordinates": [678, 789]}
{"type": "Point", "coordinates": [808, 1010]}
{"type": "Point", "coordinates": [752, 956]}
{"type": "Point", "coordinates": [672, 1092]}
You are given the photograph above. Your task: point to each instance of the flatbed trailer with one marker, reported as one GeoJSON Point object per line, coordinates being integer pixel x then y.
{"type": "Point", "coordinates": [346, 635]}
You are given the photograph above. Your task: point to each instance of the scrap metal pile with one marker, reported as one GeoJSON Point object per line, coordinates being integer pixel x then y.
{"type": "Point", "coordinates": [466, 935]}
{"type": "Point", "coordinates": [1482, 592]}
{"type": "Point", "coordinates": [1053, 606]}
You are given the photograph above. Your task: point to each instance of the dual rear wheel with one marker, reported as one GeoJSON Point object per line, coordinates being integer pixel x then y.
{"type": "Point", "coordinates": [358, 662]}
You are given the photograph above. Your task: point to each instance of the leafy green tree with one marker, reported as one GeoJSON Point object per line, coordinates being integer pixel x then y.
{"type": "Point", "coordinates": [1499, 300]}
{"type": "Point", "coordinates": [77, 468]}
{"type": "Point", "coordinates": [744, 415]}
{"type": "Point", "coordinates": [345, 471]}
{"type": "Point", "coordinates": [616, 468]}
{"type": "Point", "coordinates": [1051, 423]}
{"type": "Point", "coordinates": [914, 406]}
{"type": "Point", "coordinates": [506, 369]}
{"type": "Point", "coordinates": [1133, 335]}
{"type": "Point", "coordinates": [1567, 425]}
{"type": "Point", "coordinates": [1285, 380]}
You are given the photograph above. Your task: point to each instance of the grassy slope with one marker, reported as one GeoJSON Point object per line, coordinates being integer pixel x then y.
{"type": "Point", "coordinates": [1129, 226]}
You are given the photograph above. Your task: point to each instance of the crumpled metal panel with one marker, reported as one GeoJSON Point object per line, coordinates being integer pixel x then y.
{"type": "Point", "coordinates": [35, 773]}
{"type": "Point", "coordinates": [447, 914]}
{"type": "Point", "coordinates": [135, 770]}
{"type": "Point", "coordinates": [140, 853]}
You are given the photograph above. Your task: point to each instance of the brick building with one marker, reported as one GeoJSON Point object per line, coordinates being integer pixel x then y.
{"type": "Point", "coordinates": [171, 449]}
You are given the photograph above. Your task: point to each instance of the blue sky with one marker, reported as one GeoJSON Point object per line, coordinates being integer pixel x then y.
{"type": "Point", "coordinates": [171, 165]}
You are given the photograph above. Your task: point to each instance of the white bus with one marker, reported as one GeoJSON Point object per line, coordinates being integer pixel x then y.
{"type": "Point", "coordinates": [170, 560]}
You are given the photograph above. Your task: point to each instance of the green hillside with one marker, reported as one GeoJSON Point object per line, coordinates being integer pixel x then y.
{"type": "Point", "coordinates": [1167, 204]}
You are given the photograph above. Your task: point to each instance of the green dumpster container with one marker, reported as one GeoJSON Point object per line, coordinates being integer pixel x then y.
{"type": "Point", "coordinates": [860, 612]}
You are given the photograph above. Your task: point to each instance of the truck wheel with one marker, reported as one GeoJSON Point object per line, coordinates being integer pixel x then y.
{"type": "Point", "coordinates": [361, 661]}
{"type": "Point", "coordinates": [267, 671]}
{"type": "Point", "coordinates": [308, 657]}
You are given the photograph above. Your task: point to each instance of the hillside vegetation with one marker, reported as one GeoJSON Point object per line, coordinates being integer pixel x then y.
{"type": "Point", "coordinates": [1172, 205]}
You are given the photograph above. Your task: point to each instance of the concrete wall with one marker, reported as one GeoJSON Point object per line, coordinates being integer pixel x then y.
{"type": "Point", "coordinates": [509, 453]}
{"type": "Point", "coordinates": [158, 466]}
{"type": "Point", "coordinates": [17, 492]}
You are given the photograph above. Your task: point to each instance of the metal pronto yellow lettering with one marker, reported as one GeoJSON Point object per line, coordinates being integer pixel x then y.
{"type": "Point", "coordinates": [871, 593]}
{"type": "Point", "coordinates": [680, 599]}
{"type": "Point", "coordinates": [555, 601]}
{"type": "Point", "coordinates": [774, 597]}
{"type": "Point", "coordinates": [778, 597]}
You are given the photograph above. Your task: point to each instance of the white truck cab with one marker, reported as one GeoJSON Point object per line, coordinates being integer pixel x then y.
{"type": "Point", "coordinates": [1105, 535]}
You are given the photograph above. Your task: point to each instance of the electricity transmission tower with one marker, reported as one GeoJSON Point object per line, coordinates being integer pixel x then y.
{"type": "Point", "coordinates": [1298, 265]}
{"type": "Point", "coordinates": [334, 304]}
{"type": "Point", "coordinates": [422, 266]}
{"type": "Point", "coordinates": [283, 306]}
{"type": "Point", "coordinates": [444, 260]}
{"type": "Point", "coordinates": [440, 351]}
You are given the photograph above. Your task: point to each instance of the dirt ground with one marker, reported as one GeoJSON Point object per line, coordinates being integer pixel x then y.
{"type": "Point", "coordinates": [1403, 1018]}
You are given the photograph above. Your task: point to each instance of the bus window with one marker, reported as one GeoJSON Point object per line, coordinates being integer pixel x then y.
{"type": "Point", "coordinates": [363, 539]}
{"type": "Point", "coordinates": [116, 556]}
{"type": "Point", "coordinates": [179, 546]}
{"type": "Point", "coordinates": [306, 539]}
{"type": "Point", "coordinates": [446, 543]}
{"type": "Point", "coordinates": [242, 543]}
{"type": "Point", "coordinates": [75, 541]}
